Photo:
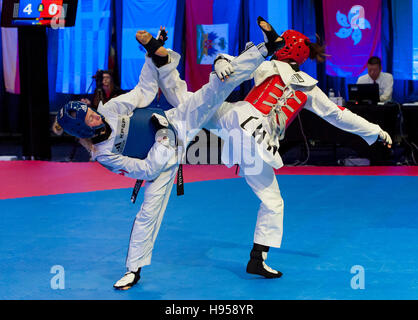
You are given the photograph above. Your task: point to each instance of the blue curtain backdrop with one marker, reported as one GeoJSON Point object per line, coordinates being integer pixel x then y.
{"type": "Point", "coordinates": [304, 20]}
{"type": "Point", "coordinates": [222, 15]}
{"type": "Point", "coordinates": [137, 15]}
{"type": "Point", "coordinates": [402, 13]}
{"type": "Point", "coordinates": [276, 12]}
{"type": "Point", "coordinates": [56, 99]}
{"type": "Point", "coordinates": [179, 43]}
{"type": "Point", "coordinates": [84, 48]}
{"type": "Point", "coordinates": [405, 49]}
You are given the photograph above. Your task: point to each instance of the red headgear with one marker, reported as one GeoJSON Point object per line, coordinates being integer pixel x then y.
{"type": "Point", "coordinates": [295, 47]}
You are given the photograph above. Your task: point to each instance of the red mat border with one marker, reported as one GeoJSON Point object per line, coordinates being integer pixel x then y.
{"type": "Point", "coordinates": [20, 179]}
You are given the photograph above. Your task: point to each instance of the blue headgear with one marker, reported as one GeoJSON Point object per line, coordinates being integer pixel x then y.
{"type": "Point", "coordinates": [75, 124]}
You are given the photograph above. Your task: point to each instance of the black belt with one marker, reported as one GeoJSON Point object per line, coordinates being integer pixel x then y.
{"type": "Point", "coordinates": [180, 185]}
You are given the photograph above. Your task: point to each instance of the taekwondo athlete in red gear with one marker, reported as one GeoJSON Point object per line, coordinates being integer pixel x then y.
{"type": "Point", "coordinates": [121, 141]}
{"type": "Point", "coordinates": [280, 93]}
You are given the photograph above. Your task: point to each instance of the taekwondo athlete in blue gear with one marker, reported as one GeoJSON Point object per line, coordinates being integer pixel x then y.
{"type": "Point", "coordinates": [114, 147]}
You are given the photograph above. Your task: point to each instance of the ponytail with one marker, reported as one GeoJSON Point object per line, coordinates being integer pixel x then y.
{"type": "Point", "coordinates": [57, 129]}
{"type": "Point", "coordinates": [86, 143]}
{"type": "Point", "coordinates": [316, 50]}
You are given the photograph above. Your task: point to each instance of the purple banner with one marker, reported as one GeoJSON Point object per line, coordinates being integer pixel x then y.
{"type": "Point", "coordinates": [352, 35]}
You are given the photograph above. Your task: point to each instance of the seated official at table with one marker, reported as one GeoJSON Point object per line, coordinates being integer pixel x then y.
{"type": "Point", "coordinates": [375, 75]}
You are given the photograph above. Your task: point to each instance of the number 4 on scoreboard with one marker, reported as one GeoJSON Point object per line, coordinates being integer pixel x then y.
{"type": "Point", "coordinates": [28, 9]}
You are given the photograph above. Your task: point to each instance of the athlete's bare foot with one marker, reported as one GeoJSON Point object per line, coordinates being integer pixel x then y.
{"type": "Point", "coordinates": [143, 37]}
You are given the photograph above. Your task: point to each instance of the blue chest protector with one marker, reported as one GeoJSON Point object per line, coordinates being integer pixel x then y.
{"type": "Point", "coordinates": [143, 126]}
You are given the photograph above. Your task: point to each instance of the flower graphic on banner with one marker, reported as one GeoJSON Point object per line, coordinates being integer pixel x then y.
{"type": "Point", "coordinates": [211, 40]}
{"type": "Point", "coordinates": [352, 24]}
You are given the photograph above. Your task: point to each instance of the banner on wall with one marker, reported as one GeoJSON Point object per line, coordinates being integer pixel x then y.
{"type": "Point", "coordinates": [142, 15]}
{"type": "Point", "coordinates": [211, 40]}
{"type": "Point", "coordinates": [84, 48]}
{"type": "Point", "coordinates": [10, 53]}
{"type": "Point", "coordinates": [212, 27]}
{"type": "Point", "coordinates": [352, 35]}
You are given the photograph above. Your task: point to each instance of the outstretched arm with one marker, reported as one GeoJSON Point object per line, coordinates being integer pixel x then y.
{"type": "Point", "coordinates": [160, 155]}
{"type": "Point", "coordinates": [344, 119]}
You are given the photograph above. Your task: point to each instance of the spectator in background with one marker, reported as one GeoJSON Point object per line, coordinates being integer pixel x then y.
{"type": "Point", "coordinates": [375, 75]}
{"type": "Point", "coordinates": [105, 89]}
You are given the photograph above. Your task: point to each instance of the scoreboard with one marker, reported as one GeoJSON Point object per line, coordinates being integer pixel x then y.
{"type": "Point", "coordinates": [50, 13]}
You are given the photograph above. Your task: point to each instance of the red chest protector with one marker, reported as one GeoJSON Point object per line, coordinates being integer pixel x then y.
{"type": "Point", "coordinates": [267, 94]}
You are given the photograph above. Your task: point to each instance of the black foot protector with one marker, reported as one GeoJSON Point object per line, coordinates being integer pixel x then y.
{"type": "Point", "coordinates": [272, 40]}
{"type": "Point", "coordinates": [152, 46]}
{"type": "Point", "coordinates": [256, 265]}
{"type": "Point", "coordinates": [128, 280]}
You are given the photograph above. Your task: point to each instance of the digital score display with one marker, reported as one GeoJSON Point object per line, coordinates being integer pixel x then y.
{"type": "Point", "coordinates": [39, 12]}
{"type": "Point", "coordinates": [50, 13]}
